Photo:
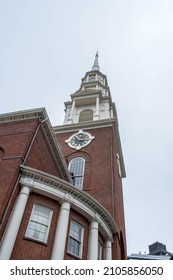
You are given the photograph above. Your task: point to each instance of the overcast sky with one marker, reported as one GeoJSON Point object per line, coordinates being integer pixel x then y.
{"type": "Point", "coordinates": [47, 46]}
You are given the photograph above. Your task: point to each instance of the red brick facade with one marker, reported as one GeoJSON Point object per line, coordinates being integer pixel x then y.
{"type": "Point", "coordinates": [22, 142]}
{"type": "Point", "coordinates": [101, 178]}
{"type": "Point", "coordinates": [25, 143]}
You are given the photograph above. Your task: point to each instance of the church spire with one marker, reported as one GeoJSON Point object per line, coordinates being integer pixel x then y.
{"type": "Point", "coordinates": [96, 63]}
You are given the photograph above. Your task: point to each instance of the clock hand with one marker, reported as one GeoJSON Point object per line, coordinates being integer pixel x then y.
{"type": "Point", "coordinates": [79, 138]}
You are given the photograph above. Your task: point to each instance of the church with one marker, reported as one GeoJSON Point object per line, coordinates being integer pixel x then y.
{"type": "Point", "coordinates": [61, 195]}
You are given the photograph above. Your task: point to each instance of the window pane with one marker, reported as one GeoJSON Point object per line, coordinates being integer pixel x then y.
{"type": "Point", "coordinates": [42, 236]}
{"type": "Point", "coordinates": [75, 238]}
{"type": "Point", "coordinates": [34, 217]}
{"type": "Point", "coordinates": [78, 182]}
{"type": "Point", "coordinates": [73, 246]}
{"type": "Point", "coordinates": [46, 212]}
{"type": "Point", "coordinates": [75, 231]}
{"type": "Point", "coordinates": [43, 229]}
{"type": "Point", "coordinates": [40, 219]}
{"type": "Point", "coordinates": [36, 234]}
{"type": "Point", "coordinates": [30, 232]}
{"type": "Point", "coordinates": [39, 222]}
{"type": "Point", "coordinates": [32, 225]}
{"type": "Point", "coordinates": [38, 227]}
{"type": "Point", "coordinates": [45, 221]}
{"type": "Point", "coordinates": [38, 209]}
{"type": "Point", "coordinates": [77, 167]}
{"type": "Point", "coordinates": [77, 171]}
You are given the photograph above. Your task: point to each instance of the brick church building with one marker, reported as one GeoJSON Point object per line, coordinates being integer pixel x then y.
{"type": "Point", "coordinates": [61, 187]}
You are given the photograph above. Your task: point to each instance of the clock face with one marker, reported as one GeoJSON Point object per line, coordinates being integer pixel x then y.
{"type": "Point", "coordinates": [79, 140]}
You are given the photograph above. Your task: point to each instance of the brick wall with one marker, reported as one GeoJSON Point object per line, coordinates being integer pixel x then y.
{"type": "Point", "coordinates": [101, 179]}
{"type": "Point", "coordinates": [99, 164]}
{"type": "Point", "coordinates": [27, 249]}
{"type": "Point", "coordinates": [21, 144]}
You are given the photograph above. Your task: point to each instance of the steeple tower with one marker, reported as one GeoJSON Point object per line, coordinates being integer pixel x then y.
{"type": "Point", "coordinates": [92, 101]}
{"type": "Point", "coordinates": [90, 143]}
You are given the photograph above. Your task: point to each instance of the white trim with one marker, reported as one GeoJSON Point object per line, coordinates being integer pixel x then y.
{"type": "Point", "coordinates": [90, 138]}
{"type": "Point", "coordinates": [61, 232]}
{"type": "Point", "coordinates": [81, 241]}
{"type": "Point", "coordinates": [83, 171]}
{"type": "Point", "coordinates": [41, 115]}
{"type": "Point", "coordinates": [93, 240]}
{"type": "Point", "coordinates": [113, 122]}
{"type": "Point", "coordinates": [108, 250]}
{"type": "Point", "coordinates": [57, 189]}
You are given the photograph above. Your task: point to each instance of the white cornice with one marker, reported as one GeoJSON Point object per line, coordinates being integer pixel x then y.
{"type": "Point", "coordinates": [59, 189]}
{"type": "Point", "coordinates": [94, 71]}
{"type": "Point", "coordinates": [86, 92]}
{"type": "Point", "coordinates": [23, 115]}
{"type": "Point", "coordinates": [93, 125]}
{"type": "Point", "coordinates": [84, 125]}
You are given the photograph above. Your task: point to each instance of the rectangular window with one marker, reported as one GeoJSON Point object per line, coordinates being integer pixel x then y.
{"type": "Point", "coordinates": [75, 241]}
{"type": "Point", "coordinates": [39, 223]}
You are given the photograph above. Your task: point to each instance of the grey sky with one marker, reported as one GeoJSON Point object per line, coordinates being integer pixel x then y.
{"type": "Point", "coordinates": [46, 46]}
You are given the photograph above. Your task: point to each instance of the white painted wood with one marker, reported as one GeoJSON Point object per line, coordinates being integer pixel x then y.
{"type": "Point", "coordinates": [61, 232]}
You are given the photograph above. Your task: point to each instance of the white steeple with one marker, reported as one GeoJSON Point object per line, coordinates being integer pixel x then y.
{"type": "Point", "coordinates": [96, 63]}
{"type": "Point", "coordinates": [92, 101]}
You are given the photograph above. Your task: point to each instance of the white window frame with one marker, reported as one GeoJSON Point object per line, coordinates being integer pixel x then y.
{"type": "Point", "coordinates": [83, 171]}
{"type": "Point", "coordinates": [79, 241]}
{"type": "Point", "coordinates": [119, 165]}
{"type": "Point", "coordinates": [31, 219]}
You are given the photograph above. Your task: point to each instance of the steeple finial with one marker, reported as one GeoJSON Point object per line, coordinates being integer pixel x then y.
{"type": "Point", "coordinates": [96, 62]}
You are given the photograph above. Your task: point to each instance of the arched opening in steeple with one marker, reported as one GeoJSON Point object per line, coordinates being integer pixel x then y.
{"type": "Point", "coordinates": [86, 115]}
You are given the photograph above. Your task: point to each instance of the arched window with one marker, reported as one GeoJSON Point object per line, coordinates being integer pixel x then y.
{"type": "Point", "coordinates": [86, 115]}
{"type": "Point", "coordinates": [76, 168]}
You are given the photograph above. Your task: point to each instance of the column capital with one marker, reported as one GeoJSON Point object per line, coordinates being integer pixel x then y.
{"type": "Point", "coordinates": [25, 190]}
{"type": "Point", "coordinates": [26, 182]}
{"type": "Point", "coordinates": [68, 198]}
{"type": "Point", "coordinates": [96, 218]}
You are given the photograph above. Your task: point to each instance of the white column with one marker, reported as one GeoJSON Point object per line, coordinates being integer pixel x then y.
{"type": "Point", "coordinates": [14, 224]}
{"type": "Point", "coordinates": [108, 250]}
{"type": "Point", "coordinates": [96, 117]}
{"type": "Point", "coordinates": [72, 111]}
{"type": "Point", "coordinates": [61, 232]}
{"type": "Point", "coordinates": [93, 241]}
